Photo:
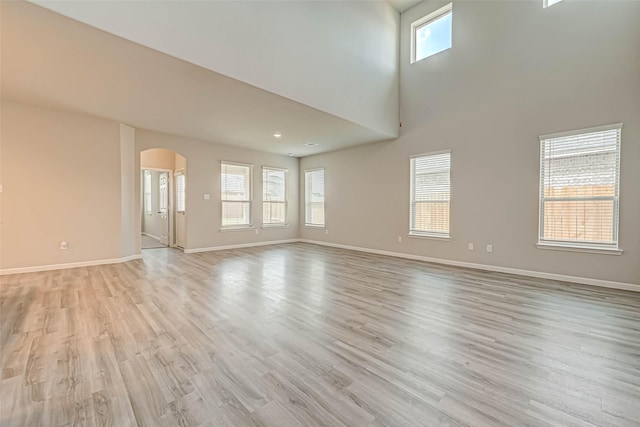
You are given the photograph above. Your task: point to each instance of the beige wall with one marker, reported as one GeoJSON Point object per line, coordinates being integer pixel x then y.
{"type": "Point", "coordinates": [514, 73]}
{"type": "Point", "coordinates": [61, 181]}
{"type": "Point", "coordinates": [203, 216]}
{"type": "Point", "coordinates": [158, 158]}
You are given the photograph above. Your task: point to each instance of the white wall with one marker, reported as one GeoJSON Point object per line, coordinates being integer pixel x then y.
{"type": "Point", "coordinates": [338, 57]}
{"type": "Point", "coordinates": [61, 181]}
{"type": "Point", "coordinates": [515, 72]}
{"type": "Point", "coordinates": [128, 170]}
{"type": "Point", "coordinates": [203, 216]}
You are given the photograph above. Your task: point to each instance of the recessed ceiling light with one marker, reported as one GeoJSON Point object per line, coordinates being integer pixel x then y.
{"type": "Point", "coordinates": [277, 135]}
{"type": "Point", "coordinates": [290, 154]}
{"type": "Point", "coordinates": [311, 144]}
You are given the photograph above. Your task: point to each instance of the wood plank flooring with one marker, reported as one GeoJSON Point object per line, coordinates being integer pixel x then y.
{"type": "Point", "coordinates": [303, 335]}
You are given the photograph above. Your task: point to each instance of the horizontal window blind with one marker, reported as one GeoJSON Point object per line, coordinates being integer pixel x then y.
{"type": "Point", "coordinates": [579, 175]}
{"type": "Point", "coordinates": [236, 194]}
{"type": "Point", "coordinates": [274, 196]}
{"type": "Point", "coordinates": [430, 194]}
{"type": "Point", "coordinates": [314, 197]}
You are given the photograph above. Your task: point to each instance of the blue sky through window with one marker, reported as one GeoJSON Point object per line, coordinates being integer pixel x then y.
{"type": "Point", "coordinates": [433, 37]}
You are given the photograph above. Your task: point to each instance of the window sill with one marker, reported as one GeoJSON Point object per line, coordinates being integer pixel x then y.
{"type": "Point", "coordinates": [429, 236]}
{"type": "Point", "coordinates": [239, 228]}
{"type": "Point", "coordinates": [584, 249]}
{"type": "Point", "coordinates": [314, 226]}
{"type": "Point", "coordinates": [267, 226]}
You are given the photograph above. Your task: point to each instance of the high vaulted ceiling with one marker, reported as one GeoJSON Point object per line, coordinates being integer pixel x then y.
{"type": "Point", "coordinates": [53, 61]}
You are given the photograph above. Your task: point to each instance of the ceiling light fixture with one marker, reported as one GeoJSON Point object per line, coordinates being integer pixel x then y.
{"type": "Point", "coordinates": [311, 144]}
{"type": "Point", "coordinates": [277, 135]}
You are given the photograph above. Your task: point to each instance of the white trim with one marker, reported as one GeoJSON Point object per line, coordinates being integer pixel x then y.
{"type": "Point", "coordinates": [268, 226]}
{"type": "Point", "coordinates": [153, 236]}
{"type": "Point", "coordinates": [516, 271]}
{"type": "Point", "coordinates": [233, 228]}
{"type": "Point", "coordinates": [429, 236]}
{"type": "Point", "coordinates": [239, 246]}
{"type": "Point", "coordinates": [50, 267]}
{"type": "Point", "coordinates": [591, 250]}
{"type": "Point", "coordinates": [603, 128]}
{"type": "Point", "coordinates": [430, 153]}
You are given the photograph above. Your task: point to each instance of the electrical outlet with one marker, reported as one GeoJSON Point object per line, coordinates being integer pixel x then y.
{"type": "Point", "coordinates": [206, 196]}
{"type": "Point", "coordinates": [257, 231]}
{"type": "Point", "coordinates": [64, 245]}
{"type": "Point", "coordinates": [399, 239]}
{"type": "Point", "coordinates": [326, 231]}
{"type": "Point", "coordinates": [470, 246]}
{"type": "Point", "coordinates": [489, 248]}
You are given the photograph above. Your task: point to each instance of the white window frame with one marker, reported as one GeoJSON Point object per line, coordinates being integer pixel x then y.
{"type": "Point", "coordinates": [249, 201]}
{"type": "Point", "coordinates": [412, 202]}
{"type": "Point", "coordinates": [573, 245]}
{"type": "Point", "coordinates": [307, 210]}
{"type": "Point", "coordinates": [426, 20]}
{"type": "Point", "coordinates": [283, 202]}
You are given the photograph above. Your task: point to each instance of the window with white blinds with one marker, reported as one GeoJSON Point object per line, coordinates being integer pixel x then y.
{"type": "Point", "coordinates": [579, 175]}
{"type": "Point", "coordinates": [274, 196]}
{"type": "Point", "coordinates": [148, 208]}
{"type": "Point", "coordinates": [180, 191]}
{"type": "Point", "coordinates": [430, 194]}
{"type": "Point", "coordinates": [314, 197]}
{"type": "Point", "coordinates": [236, 195]}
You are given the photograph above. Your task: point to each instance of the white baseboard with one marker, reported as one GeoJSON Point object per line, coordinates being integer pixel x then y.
{"type": "Point", "coordinates": [239, 246]}
{"type": "Point", "coordinates": [50, 267]}
{"type": "Point", "coordinates": [153, 236]}
{"type": "Point", "coordinates": [517, 271]}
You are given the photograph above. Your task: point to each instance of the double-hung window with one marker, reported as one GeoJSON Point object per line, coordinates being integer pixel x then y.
{"type": "Point", "coordinates": [236, 195]}
{"type": "Point", "coordinates": [430, 194]}
{"type": "Point", "coordinates": [274, 196]}
{"type": "Point", "coordinates": [579, 191]}
{"type": "Point", "coordinates": [314, 197]}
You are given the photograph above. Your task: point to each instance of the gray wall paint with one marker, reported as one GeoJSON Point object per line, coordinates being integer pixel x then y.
{"type": "Point", "coordinates": [515, 72]}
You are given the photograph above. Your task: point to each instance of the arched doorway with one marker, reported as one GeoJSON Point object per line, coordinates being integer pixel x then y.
{"type": "Point", "coordinates": [163, 217]}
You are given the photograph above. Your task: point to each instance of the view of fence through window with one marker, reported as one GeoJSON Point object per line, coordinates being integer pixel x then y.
{"type": "Point", "coordinates": [579, 194]}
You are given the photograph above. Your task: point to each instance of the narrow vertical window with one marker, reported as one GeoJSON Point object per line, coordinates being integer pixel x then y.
{"type": "Point", "coordinates": [180, 191]}
{"type": "Point", "coordinates": [314, 197]}
{"type": "Point", "coordinates": [148, 209]}
{"type": "Point", "coordinates": [274, 196]}
{"type": "Point", "coordinates": [430, 195]}
{"type": "Point", "coordinates": [236, 195]}
{"type": "Point", "coordinates": [579, 175]}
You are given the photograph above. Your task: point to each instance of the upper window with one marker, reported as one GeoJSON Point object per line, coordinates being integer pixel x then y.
{"type": "Point", "coordinates": [579, 174]}
{"type": "Point", "coordinates": [547, 3]}
{"type": "Point", "coordinates": [314, 197]}
{"type": "Point", "coordinates": [430, 194]}
{"type": "Point", "coordinates": [431, 34]}
{"type": "Point", "coordinates": [236, 195]}
{"type": "Point", "coordinates": [274, 196]}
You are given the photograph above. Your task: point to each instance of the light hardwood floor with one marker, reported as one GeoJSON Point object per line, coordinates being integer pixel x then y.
{"type": "Point", "coordinates": [299, 334]}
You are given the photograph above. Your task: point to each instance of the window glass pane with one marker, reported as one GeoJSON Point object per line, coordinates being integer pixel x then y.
{"type": "Point", "coordinates": [273, 196]}
{"type": "Point", "coordinates": [433, 37]}
{"type": "Point", "coordinates": [235, 185]}
{"type": "Point", "coordinates": [180, 193]}
{"type": "Point", "coordinates": [314, 197]}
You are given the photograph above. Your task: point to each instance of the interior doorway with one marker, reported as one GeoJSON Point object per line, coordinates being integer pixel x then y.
{"type": "Point", "coordinates": [163, 178]}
